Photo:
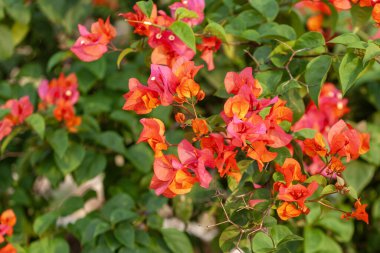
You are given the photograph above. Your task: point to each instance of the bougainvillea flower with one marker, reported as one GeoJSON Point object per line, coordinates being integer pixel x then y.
{"type": "Point", "coordinates": [180, 118]}
{"type": "Point", "coordinates": [140, 21]}
{"type": "Point", "coordinates": [336, 165]}
{"type": "Point", "coordinates": [8, 249]}
{"type": "Point", "coordinates": [199, 126]}
{"type": "Point", "coordinates": [279, 112]}
{"type": "Point", "coordinates": [236, 106]}
{"type": "Point", "coordinates": [88, 47]}
{"type": "Point", "coordinates": [258, 152]}
{"type": "Point", "coordinates": [291, 170]}
{"type": "Point", "coordinates": [62, 88]}
{"type": "Point", "coordinates": [153, 133]}
{"type": "Point", "coordinates": [363, 3]}
{"type": "Point", "coordinates": [196, 6]}
{"type": "Point", "coordinates": [341, 4]}
{"type": "Point", "coordinates": [346, 141]}
{"type": "Point", "coordinates": [6, 126]}
{"type": "Point", "coordinates": [359, 213]}
{"type": "Point", "coordinates": [376, 13]}
{"type": "Point", "coordinates": [277, 137]}
{"type": "Point", "coordinates": [8, 217]}
{"type": "Point", "coordinates": [242, 131]}
{"type": "Point", "coordinates": [164, 82]}
{"type": "Point", "coordinates": [208, 47]}
{"type": "Point", "coordinates": [297, 193]}
{"type": "Point", "coordinates": [287, 210]}
{"type": "Point", "coordinates": [315, 146]}
{"type": "Point", "coordinates": [188, 88]}
{"type": "Point", "coordinates": [184, 69]}
{"type": "Point", "coordinates": [64, 111]}
{"type": "Point", "coordinates": [234, 81]}
{"type": "Point", "coordinates": [19, 109]}
{"type": "Point", "coordinates": [105, 29]}
{"type": "Point", "coordinates": [197, 161]}
{"type": "Point", "coordinates": [140, 98]}
{"type": "Point", "coordinates": [165, 175]}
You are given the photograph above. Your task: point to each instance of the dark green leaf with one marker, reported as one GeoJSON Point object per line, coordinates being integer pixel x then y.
{"type": "Point", "coordinates": [37, 123]}
{"type": "Point", "coordinates": [42, 223]}
{"type": "Point", "coordinates": [59, 141]}
{"type": "Point", "coordinates": [71, 159]}
{"type": "Point", "coordinates": [125, 234]}
{"type": "Point", "coordinates": [316, 74]}
{"type": "Point", "coordinates": [349, 70]}
{"type": "Point", "coordinates": [269, 8]}
{"type": "Point", "coordinates": [345, 39]}
{"type": "Point", "coordinates": [177, 241]}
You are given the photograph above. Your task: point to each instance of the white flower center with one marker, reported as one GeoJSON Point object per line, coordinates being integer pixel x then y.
{"type": "Point", "coordinates": [171, 37]}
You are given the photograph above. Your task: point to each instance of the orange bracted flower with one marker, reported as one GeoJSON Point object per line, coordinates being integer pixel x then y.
{"type": "Point", "coordinates": [258, 152]}
{"type": "Point", "coordinates": [376, 13]}
{"type": "Point", "coordinates": [180, 118]}
{"type": "Point", "coordinates": [8, 249]}
{"type": "Point", "coordinates": [64, 111]}
{"type": "Point", "coordinates": [188, 88]}
{"type": "Point", "coordinates": [171, 177]}
{"type": "Point", "coordinates": [140, 98]}
{"type": "Point", "coordinates": [314, 23]}
{"type": "Point", "coordinates": [359, 213]}
{"type": "Point", "coordinates": [107, 31]}
{"type": "Point", "coordinates": [316, 146]}
{"type": "Point", "coordinates": [199, 126]}
{"type": "Point", "coordinates": [287, 210]}
{"type": "Point", "coordinates": [291, 170]}
{"type": "Point", "coordinates": [279, 112]}
{"type": "Point", "coordinates": [153, 134]}
{"type": "Point", "coordinates": [336, 165]}
{"type": "Point", "coordinates": [235, 81]}
{"type": "Point", "coordinates": [19, 109]}
{"type": "Point", "coordinates": [341, 4]}
{"type": "Point", "coordinates": [7, 221]}
{"type": "Point", "coordinates": [363, 3]}
{"type": "Point", "coordinates": [182, 182]}
{"type": "Point", "coordinates": [297, 193]}
{"type": "Point", "coordinates": [346, 141]}
{"type": "Point", "coordinates": [139, 21]}
{"type": "Point", "coordinates": [208, 47]}
{"type": "Point", "coordinates": [184, 69]}
{"type": "Point", "coordinates": [236, 105]}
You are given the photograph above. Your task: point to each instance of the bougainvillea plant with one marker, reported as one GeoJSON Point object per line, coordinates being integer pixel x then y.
{"type": "Point", "coordinates": [264, 137]}
{"type": "Point", "coordinates": [251, 128]}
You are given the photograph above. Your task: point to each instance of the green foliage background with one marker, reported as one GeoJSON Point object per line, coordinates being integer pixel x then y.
{"type": "Point", "coordinates": [34, 42]}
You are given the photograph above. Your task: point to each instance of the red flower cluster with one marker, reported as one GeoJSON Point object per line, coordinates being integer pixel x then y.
{"type": "Point", "coordinates": [63, 94]}
{"type": "Point", "coordinates": [167, 47]}
{"type": "Point", "coordinates": [19, 110]}
{"type": "Point", "coordinates": [319, 10]}
{"type": "Point", "coordinates": [91, 46]}
{"type": "Point", "coordinates": [334, 139]}
{"type": "Point", "coordinates": [359, 213]}
{"type": "Point", "coordinates": [7, 222]}
{"type": "Point", "coordinates": [293, 194]}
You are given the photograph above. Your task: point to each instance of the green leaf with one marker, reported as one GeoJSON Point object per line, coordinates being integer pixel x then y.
{"type": "Point", "coordinates": [342, 229]}
{"type": "Point", "coordinates": [97, 68]}
{"type": "Point", "coordinates": [181, 13]}
{"type": "Point", "coordinates": [345, 39]}
{"type": "Point", "coordinates": [316, 241]}
{"type": "Point", "coordinates": [125, 234]}
{"type": "Point", "coordinates": [71, 159]}
{"type": "Point", "coordinates": [269, 221]}
{"type": "Point", "coordinates": [93, 164]}
{"type": "Point", "coordinates": [321, 180]}
{"type": "Point", "coordinates": [371, 52]}
{"type": "Point", "coordinates": [183, 207]}
{"type": "Point", "coordinates": [216, 30]}
{"type": "Point", "coordinates": [306, 133]}
{"type": "Point", "coordinates": [282, 154]}
{"type": "Point", "coordinates": [94, 228]}
{"type": "Point", "coordinates": [269, 8]}
{"type": "Point", "coordinates": [141, 157]}
{"type": "Point", "coordinates": [316, 74]}
{"type": "Point", "coordinates": [59, 141]}
{"type": "Point", "coordinates": [18, 10]}
{"type": "Point", "coordinates": [49, 245]}
{"type": "Point", "coordinates": [352, 192]}
{"type": "Point", "coordinates": [122, 54]}
{"type": "Point", "coordinates": [360, 15]}
{"type": "Point", "coordinates": [19, 31]}
{"type": "Point", "coordinates": [71, 205]}
{"type": "Point", "coordinates": [122, 214]}
{"type": "Point", "coordinates": [329, 189]}
{"type": "Point", "coordinates": [262, 243]}
{"type": "Point", "coordinates": [42, 223]}
{"type": "Point", "coordinates": [184, 33]}
{"type": "Point", "coordinates": [6, 43]}
{"type": "Point", "coordinates": [57, 58]}
{"type": "Point", "coordinates": [177, 241]}
{"type": "Point", "coordinates": [146, 7]}
{"type": "Point", "coordinates": [4, 112]}
{"type": "Point", "coordinates": [112, 141]}
{"type": "Point", "coordinates": [349, 70]}
{"type": "Point", "coordinates": [37, 123]}
{"type": "Point", "coordinates": [358, 174]}
{"type": "Point", "coordinates": [309, 40]}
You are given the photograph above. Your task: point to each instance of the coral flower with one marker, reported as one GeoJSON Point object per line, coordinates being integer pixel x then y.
{"type": "Point", "coordinates": [287, 210]}
{"type": "Point", "coordinates": [153, 134]}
